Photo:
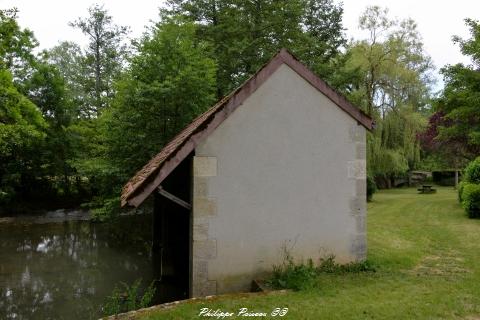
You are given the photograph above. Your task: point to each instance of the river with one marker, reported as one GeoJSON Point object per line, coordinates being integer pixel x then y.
{"type": "Point", "coordinates": [62, 266]}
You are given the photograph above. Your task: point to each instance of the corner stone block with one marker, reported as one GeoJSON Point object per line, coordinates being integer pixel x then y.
{"type": "Point", "coordinates": [205, 166]}
{"type": "Point", "coordinates": [204, 207]}
{"type": "Point", "coordinates": [361, 188]}
{"type": "Point", "coordinates": [361, 151]}
{"type": "Point", "coordinates": [200, 187]}
{"type": "Point", "coordinates": [357, 133]}
{"type": "Point", "coordinates": [205, 249]}
{"type": "Point", "coordinates": [359, 246]}
{"type": "Point", "coordinates": [360, 224]}
{"type": "Point", "coordinates": [200, 231]}
{"type": "Point", "coordinates": [357, 169]}
{"type": "Point", "coordinates": [205, 288]}
{"type": "Point", "coordinates": [358, 206]}
{"type": "Point", "coordinates": [200, 270]}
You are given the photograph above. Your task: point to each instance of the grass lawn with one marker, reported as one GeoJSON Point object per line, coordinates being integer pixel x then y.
{"type": "Point", "coordinates": [427, 255]}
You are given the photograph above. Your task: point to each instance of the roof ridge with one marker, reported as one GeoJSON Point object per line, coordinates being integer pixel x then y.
{"type": "Point", "coordinates": [147, 179]}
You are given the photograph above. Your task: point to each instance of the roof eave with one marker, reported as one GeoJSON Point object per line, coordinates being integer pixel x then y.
{"type": "Point", "coordinates": [134, 194]}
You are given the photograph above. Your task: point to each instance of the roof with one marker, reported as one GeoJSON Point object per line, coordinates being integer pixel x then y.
{"type": "Point", "coordinates": [145, 181]}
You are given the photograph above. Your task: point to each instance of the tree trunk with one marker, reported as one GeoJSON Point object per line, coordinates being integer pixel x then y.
{"type": "Point", "coordinates": [456, 179]}
{"type": "Point", "coordinates": [97, 77]}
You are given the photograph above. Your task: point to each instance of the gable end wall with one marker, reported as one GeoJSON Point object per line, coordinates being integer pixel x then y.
{"type": "Point", "coordinates": [287, 171]}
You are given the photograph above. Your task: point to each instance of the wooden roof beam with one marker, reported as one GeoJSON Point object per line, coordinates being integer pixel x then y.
{"type": "Point", "coordinates": [173, 198]}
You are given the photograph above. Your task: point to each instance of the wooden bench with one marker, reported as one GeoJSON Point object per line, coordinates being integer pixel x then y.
{"type": "Point", "coordinates": [427, 189]}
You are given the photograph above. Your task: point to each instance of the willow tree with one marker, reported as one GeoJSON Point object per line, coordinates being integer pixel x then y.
{"type": "Point", "coordinates": [390, 81]}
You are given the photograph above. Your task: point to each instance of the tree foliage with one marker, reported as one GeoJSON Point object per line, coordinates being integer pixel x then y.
{"type": "Point", "coordinates": [103, 59]}
{"type": "Point", "coordinates": [22, 131]}
{"type": "Point", "coordinates": [46, 89]}
{"type": "Point", "coordinates": [16, 45]}
{"type": "Point", "coordinates": [459, 102]}
{"type": "Point", "coordinates": [170, 81]}
{"type": "Point", "coordinates": [245, 34]}
{"type": "Point", "coordinates": [69, 60]}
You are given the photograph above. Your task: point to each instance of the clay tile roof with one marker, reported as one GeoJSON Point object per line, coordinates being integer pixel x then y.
{"type": "Point", "coordinates": [145, 181]}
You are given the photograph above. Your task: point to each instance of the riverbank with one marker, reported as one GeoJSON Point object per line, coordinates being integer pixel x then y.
{"type": "Point", "coordinates": [59, 215]}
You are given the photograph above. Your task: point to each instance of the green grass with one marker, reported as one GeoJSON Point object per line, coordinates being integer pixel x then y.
{"type": "Point", "coordinates": [427, 256]}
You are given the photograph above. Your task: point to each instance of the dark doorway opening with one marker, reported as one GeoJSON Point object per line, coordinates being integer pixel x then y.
{"type": "Point", "coordinates": [171, 248]}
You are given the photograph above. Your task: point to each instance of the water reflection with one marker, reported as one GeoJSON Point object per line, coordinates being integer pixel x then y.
{"type": "Point", "coordinates": [64, 270]}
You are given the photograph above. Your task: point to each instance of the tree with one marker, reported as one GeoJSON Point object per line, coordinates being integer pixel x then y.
{"type": "Point", "coordinates": [446, 153]}
{"type": "Point", "coordinates": [323, 23]}
{"type": "Point", "coordinates": [387, 74]}
{"type": "Point", "coordinates": [68, 59]}
{"type": "Point", "coordinates": [46, 88]}
{"type": "Point", "coordinates": [245, 34]}
{"type": "Point", "coordinates": [104, 56]}
{"type": "Point", "coordinates": [394, 65]}
{"type": "Point", "coordinates": [169, 82]}
{"type": "Point", "coordinates": [22, 131]}
{"type": "Point", "coordinates": [16, 45]}
{"type": "Point", "coordinates": [459, 102]}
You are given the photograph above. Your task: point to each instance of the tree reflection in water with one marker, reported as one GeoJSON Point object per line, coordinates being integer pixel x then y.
{"type": "Point", "coordinates": [64, 270]}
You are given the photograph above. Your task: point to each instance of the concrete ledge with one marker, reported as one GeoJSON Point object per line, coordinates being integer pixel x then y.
{"type": "Point", "coordinates": [132, 315]}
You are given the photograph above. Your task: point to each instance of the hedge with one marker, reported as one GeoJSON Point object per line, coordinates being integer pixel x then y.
{"type": "Point", "coordinates": [471, 199]}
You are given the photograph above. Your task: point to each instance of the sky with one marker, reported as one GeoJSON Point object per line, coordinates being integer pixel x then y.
{"type": "Point", "coordinates": [437, 20]}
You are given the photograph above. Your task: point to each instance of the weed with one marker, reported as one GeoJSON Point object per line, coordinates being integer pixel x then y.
{"type": "Point", "coordinates": [128, 298]}
{"type": "Point", "coordinates": [302, 276]}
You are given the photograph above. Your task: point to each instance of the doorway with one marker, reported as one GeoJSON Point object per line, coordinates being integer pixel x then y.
{"type": "Point", "coordinates": [172, 233]}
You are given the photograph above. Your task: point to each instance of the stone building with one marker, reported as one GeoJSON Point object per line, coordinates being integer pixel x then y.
{"type": "Point", "coordinates": [279, 164]}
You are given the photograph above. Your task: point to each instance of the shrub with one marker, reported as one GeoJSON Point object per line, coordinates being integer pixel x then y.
{"type": "Point", "coordinates": [471, 199]}
{"type": "Point", "coordinates": [371, 187]}
{"type": "Point", "coordinates": [472, 171]}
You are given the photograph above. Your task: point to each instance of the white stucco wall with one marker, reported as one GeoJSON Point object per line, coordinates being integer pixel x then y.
{"type": "Point", "coordinates": [289, 167]}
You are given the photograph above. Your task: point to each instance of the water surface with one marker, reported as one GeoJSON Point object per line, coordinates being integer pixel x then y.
{"type": "Point", "coordinates": [62, 266]}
